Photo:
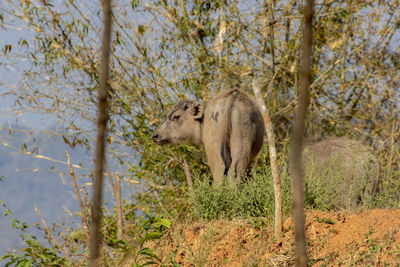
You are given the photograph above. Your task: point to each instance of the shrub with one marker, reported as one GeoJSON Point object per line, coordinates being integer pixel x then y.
{"type": "Point", "coordinates": [253, 198]}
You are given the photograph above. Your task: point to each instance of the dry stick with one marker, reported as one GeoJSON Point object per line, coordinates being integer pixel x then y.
{"type": "Point", "coordinates": [270, 4]}
{"type": "Point", "coordinates": [297, 138]}
{"type": "Point", "coordinates": [117, 195]}
{"type": "Point", "coordinates": [273, 158]}
{"type": "Point", "coordinates": [85, 199]}
{"type": "Point", "coordinates": [95, 238]}
{"type": "Point", "coordinates": [110, 177]}
{"type": "Point", "coordinates": [78, 196]}
{"type": "Point", "coordinates": [120, 232]}
{"type": "Point", "coordinates": [47, 229]}
{"type": "Point", "coordinates": [188, 175]}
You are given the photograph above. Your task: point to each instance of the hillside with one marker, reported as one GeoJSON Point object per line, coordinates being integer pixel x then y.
{"type": "Point", "coordinates": [335, 239]}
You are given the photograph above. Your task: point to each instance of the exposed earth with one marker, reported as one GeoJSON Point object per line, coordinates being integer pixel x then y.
{"type": "Point", "coordinates": [363, 238]}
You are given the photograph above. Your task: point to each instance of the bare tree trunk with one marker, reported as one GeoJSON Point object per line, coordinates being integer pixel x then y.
{"type": "Point", "coordinates": [273, 158]}
{"type": "Point", "coordinates": [297, 138]}
{"type": "Point", "coordinates": [95, 238]}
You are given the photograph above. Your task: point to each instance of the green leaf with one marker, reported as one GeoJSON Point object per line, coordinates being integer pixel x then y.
{"type": "Point", "coordinates": [10, 262]}
{"type": "Point", "coordinates": [7, 49]}
{"type": "Point", "coordinates": [5, 257]}
{"type": "Point", "coordinates": [151, 236]}
{"type": "Point", "coordinates": [149, 263]}
{"type": "Point", "coordinates": [23, 42]}
{"type": "Point", "coordinates": [26, 263]}
{"type": "Point", "coordinates": [148, 252]}
{"type": "Point", "coordinates": [141, 29]}
{"type": "Point", "coordinates": [162, 222]}
{"type": "Point", "coordinates": [135, 4]}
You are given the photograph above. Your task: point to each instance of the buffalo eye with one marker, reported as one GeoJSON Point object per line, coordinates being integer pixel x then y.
{"type": "Point", "coordinates": [176, 117]}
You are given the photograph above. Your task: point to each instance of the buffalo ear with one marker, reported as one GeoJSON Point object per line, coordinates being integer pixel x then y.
{"type": "Point", "coordinates": [196, 110]}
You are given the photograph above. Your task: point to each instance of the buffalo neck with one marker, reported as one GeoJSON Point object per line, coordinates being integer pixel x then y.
{"type": "Point", "coordinates": [198, 133]}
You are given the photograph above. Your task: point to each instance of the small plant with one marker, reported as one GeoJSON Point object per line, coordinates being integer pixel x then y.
{"type": "Point", "coordinates": [324, 220]}
{"type": "Point", "coordinates": [142, 255]}
{"type": "Point", "coordinates": [373, 245]}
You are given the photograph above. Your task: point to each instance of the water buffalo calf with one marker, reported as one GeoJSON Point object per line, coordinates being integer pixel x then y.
{"type": "Point", "coordinates": [230, 126]}
{"type": "Point", "coordinates": [343, 170]}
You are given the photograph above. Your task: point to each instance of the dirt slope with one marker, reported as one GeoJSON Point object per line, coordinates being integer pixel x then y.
{"type": "Point", "coordinates": [335, 239]}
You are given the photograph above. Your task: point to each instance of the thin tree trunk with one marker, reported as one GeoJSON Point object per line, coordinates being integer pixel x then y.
{"type": "Point", "coordinates": [95, 237]}
{"type": "Point", "coordinates": [297, 138]}
{"type": "Point", "coordinates": [273, 158]}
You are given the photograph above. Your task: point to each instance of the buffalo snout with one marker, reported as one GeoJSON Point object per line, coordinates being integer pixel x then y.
{"type": "Point", "coordinates": [158, 138]}
{"type": "Point", "coordinates": [155, 136]}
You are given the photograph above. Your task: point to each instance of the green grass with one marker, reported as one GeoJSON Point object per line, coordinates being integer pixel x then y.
{"type": "Point", "coordinates": [253, 198]}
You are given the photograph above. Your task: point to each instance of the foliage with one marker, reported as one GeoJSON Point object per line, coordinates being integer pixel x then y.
{"type": "Point", "coordinates": [389, 195]}
{"type": "Point", "coordinates": [33, 253]}
{"type": "Point", "coordinates": [137, 251]}
{"type": "Point", "coordinates": [214, 202]}
{"type": "Point", "coordinates": [67, 250]}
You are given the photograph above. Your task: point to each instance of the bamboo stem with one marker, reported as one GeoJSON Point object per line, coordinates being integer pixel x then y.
{"type": "Point", "coordinates": [78, 196]}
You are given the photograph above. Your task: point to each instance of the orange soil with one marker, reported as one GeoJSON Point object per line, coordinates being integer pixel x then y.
{"type": "Point", "coordinates": [334, 239]}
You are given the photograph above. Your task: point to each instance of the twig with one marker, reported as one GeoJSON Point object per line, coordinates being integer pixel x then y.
{"type": "Point", "coordinates": [116, 188]}
{"type": "Point", "coordinates": [119, 206]}
{"type": "Point", "coordinates": [78, 196]}
{"type": "Point", "coordinates": [49, 234]}
{"type": "Point", "coordinates": [4, 143]}
{"type": "Point", "coordinates": [188, 175]}
{"type": "Point", "coordinates": [148, 183]}
{"type": "Point", "coordinates": [110, 177]}
{"type": "Point", "coordinates": [86, 199]}
{"type": "Point", "coordinates": [131, 181]}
